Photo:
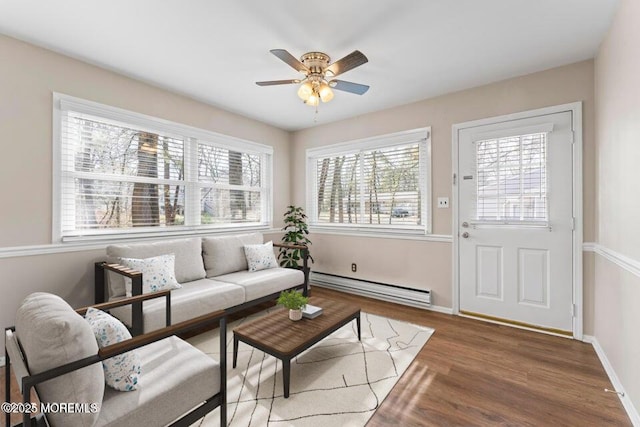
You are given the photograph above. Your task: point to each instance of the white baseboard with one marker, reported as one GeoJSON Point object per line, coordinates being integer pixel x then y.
{"type": "Point", "coordinates": [615, 381]}
{"type": "Point", "coordinates": [382, 292]}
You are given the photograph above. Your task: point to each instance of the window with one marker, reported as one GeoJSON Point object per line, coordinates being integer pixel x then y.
{"type": "Point", "coordinates": [119, 172]}
{"type": "Point", "coordinates": [512, 179]}
{"type": "Point", "coordinates": [378, 184]}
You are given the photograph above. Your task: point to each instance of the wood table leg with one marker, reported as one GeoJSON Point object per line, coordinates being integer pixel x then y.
{"type": "Point", "coordinates": [286, 375]}
{"type": "Point", "coordinates": [235, 350]}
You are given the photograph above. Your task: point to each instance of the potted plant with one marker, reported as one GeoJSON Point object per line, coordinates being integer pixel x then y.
{"type": "Point", "coordinates": [295, 233]}
{"type": "Point", "coordinates": [294, 301]}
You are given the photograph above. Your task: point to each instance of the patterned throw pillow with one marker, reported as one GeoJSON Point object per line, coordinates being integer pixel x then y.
{"type": "Point", "coordinates": [158, 273]}
{"type": "Point", "coordinates": [122, 371]}
{"type": "Point", "coordinates": [260, 257]}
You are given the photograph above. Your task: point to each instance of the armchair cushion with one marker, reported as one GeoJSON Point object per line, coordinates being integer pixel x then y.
{"type": "Point", "coordinates": [194, 376]}
{"type": "Point", "coordinates": [225, 254]}
{"type": "Point", "coordinates": [51, 335]}
{"type": "Point", "coordinates": [122, 371]}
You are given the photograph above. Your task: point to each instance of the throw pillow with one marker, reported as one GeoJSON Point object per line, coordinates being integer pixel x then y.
{"type": "Point", "coordinates": [121, 372]}
{"type": "Point", "coordinates": [260, 257]}
{"type": "Point", "coordinates": [158, 273]}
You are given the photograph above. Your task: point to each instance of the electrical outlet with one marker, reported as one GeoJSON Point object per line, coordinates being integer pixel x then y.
{"type": "Point", "coordinates": [443, 202]}
{"type": "Point", "coordinates": [354, 267]}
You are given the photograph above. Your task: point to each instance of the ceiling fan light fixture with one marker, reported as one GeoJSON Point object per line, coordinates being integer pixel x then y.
{"type": "Point", "coordinates": [313, 100]}
{"type": "Point", "coordinates": [305, 91]}
{"type": "Point", "coordinates": [326, 94]}
{"type": "Point", "coordinates": [316, 66]}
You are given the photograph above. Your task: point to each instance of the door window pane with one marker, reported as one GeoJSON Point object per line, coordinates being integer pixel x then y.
{"type": "Point", "coordinates": [511, 179]}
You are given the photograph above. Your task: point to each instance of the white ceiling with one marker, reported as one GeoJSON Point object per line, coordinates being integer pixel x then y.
{"type": "Point", "coordinates": [214, 50]}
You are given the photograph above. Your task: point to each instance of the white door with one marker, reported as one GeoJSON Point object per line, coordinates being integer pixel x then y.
{"type": "Point", "coordinates": [515, 221]}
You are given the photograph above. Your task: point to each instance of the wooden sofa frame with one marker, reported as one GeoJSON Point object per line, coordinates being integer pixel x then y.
{"type": "Point", "coordinates": [207, 320]}
{"type": "Point", "coordinates": [137, 326]}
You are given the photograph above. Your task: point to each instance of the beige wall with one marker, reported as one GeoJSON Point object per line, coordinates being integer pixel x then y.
{"type": "Point", "coordinates": [28, 76]}
{"type": "Point", "coordinates": [424, 264]}
{"type": "Point", "coordinates": [617, 89]}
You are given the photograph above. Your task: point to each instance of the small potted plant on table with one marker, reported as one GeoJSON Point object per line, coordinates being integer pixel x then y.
{"type": "Point", "coordinates": [294, 301]}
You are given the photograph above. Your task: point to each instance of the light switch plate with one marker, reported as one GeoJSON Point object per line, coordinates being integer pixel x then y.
{"type": "Point", "coordinates": [443, 202]}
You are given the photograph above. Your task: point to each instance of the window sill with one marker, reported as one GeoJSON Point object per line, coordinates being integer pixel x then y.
{"type": "Point", "coordinates": [147, 234]}
{"type": "Point", "coordinates": [388, 233]}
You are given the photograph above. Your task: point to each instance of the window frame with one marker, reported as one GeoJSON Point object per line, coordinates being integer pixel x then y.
{"type": "Point", "coordinates": [192, 137]}
{"type": "Point", "coordinates": [419, 135]}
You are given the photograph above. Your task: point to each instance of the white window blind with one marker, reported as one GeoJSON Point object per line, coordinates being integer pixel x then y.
{"type": "Point", "coordinates": [377, 186]}
{"type": "Point", "coordinates": [512, 179]}
{"type": "Point", "coordinates": [230, 185]}
{"type": "Point", "coordinates": [117, 176]}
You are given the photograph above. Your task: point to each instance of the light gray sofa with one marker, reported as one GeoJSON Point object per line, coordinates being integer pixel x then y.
{"type": "Point", "coordinates": [213, 273]}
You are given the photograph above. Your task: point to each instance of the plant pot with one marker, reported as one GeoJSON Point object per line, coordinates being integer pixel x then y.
{"type": "Point", "coordinates": [295, 314]}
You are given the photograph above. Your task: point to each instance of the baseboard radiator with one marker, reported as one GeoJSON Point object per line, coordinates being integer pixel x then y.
{"type": "Point", "coordinates": [413, 297]}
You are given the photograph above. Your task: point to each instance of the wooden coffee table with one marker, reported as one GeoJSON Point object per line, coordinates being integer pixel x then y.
{"type": "Point", "coordinates": [277, 335]}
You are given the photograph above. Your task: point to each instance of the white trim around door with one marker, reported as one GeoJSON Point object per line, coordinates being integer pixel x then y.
{"type": "Point", "coordinates": [576, 110]}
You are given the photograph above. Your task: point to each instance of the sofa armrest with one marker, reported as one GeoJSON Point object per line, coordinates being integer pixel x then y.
{"type": "Point", "coordinates": [136, 290]}
{"type": "Point", "coordinates": [305, 262]}
{"type": "Point", "coordinates": [153, 336]}
{"type": "Point", "coordinates": [289, 246]}
{"type": "Point", "coordinates": [133, 300]}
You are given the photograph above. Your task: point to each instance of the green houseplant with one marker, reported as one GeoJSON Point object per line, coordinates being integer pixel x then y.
{"type": "Point", "coordinates": [294, 301]}
{"type": "Point", "coordinates": [295, 233]}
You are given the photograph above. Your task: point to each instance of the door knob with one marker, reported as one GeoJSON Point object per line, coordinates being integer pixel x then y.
{"type": "Point", "coordinates": [465, 235]}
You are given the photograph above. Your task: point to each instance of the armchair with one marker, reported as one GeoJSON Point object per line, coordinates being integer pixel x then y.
{"type": "Point", "coordinates": [179, 384]}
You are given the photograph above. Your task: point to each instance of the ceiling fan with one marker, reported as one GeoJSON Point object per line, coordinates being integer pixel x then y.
{"type": "Point", "coordinates": [316, 85]}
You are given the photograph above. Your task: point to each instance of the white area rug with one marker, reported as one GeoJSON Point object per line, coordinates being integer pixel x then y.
{"type": "Point", "coordinates": [338, 382]}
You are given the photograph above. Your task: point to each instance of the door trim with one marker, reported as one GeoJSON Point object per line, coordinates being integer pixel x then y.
{"type": "Point", "coordinates": [575, 109]}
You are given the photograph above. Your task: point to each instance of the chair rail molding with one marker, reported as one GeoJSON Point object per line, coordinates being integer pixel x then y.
{"type": "Point", "coordinates": [60, 248]}
{"type": "Point", "coordinates": [623, 261]}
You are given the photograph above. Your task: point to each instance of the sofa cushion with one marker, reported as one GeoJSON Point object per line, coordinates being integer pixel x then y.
{"type": "Point", "coordinates": [122, 371]}
{"type": "Point", "coordinates": [188, 264]}
{"type": "Point", "coordinates": [193, 299]}
{"type": "Point", "coordinates": [175, 375]}
{"type": "Point", "coordinates": [52, 334]}
{"type": "Point", "coordinates": [264, 282]}
{"type": "Point", "coordinates": [225, 254]}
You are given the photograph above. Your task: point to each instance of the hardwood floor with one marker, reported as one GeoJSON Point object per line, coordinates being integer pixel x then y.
{"type": "Point", "coordinates": [472, 373]}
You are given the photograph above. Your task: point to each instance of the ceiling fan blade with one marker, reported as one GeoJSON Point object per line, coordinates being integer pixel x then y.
{"type": "Point", "coordinates": [290, 59]}
{"type": "Point", "coordinates": [353, 60]}
{"type": "Point", "coordinates": [351, 87]}
{"type": "Point", "coordinates": [278, 82]}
